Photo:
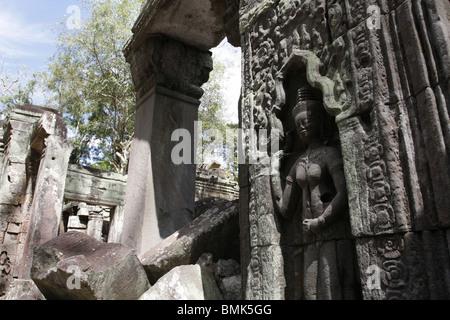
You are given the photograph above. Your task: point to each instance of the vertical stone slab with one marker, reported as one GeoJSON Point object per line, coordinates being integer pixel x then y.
{"type": "Point", "coordinates": [285, 45]}
{"type": "Point", "coordinates": [94, 226]}
{"type": "Point", "coordinates": [31, 202]}
{"type": "Point", "coordinates": [18, 128]}
{"type": "Point", "coordinates": [437, 154]}
{"type": "Point", "coordinates": [244, 223]}
{"type": "Point", "coordinates": [409, 262]}
{"type": "Point", "coordinates": [160, 193]}
{"type": "Point", "coordinates": [44, 215]}
{"type": "Point", "coordinates": [116, 224]}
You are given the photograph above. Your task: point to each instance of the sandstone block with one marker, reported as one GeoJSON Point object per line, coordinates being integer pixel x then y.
{"type": "Point", "coordinates": [191, 282]}
{"type": "Point", "coordinates": [75, 266]}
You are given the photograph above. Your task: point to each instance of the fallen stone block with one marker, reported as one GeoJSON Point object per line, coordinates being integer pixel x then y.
{"type": "Point", "coordinates": [216, 231]}
{"type": "Point", "coordinates": [75, 266]}
{"type": "Point", "coordinates": [203, 205]}
{"type": "Point", "coordinates": [192, 282]}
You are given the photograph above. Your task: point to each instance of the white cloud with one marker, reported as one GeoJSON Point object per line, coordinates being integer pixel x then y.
{"type": "Point", "coordinates": [17, 37]}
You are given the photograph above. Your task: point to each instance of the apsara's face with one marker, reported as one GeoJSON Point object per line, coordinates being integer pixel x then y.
{"type": "Point", "coordinates": [307, 125]}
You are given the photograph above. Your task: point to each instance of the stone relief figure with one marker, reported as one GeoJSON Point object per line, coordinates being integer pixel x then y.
{"type": "Point", "coordinates": [335, 15]}
{"type": "Point", "coordinates": [315, 188]}
{"type": "Point", "coordinates": [5, 269]}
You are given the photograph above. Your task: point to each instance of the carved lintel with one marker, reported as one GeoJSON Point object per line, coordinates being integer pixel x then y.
{"type": "Point", "coordinates": [161, 61]}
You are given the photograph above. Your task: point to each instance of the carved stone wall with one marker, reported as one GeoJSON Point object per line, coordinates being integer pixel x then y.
{"type": "Point", "coordinates": [382, 69]}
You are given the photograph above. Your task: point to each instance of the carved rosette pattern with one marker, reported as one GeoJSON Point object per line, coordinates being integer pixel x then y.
{"type": "Point", "coordinates": [382, 214]}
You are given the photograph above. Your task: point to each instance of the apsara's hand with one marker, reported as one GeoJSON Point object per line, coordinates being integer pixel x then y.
{"type": "Point", "coordinates": [311, 225]}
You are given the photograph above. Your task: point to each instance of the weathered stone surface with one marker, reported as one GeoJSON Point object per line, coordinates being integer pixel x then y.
{"type": "Point", "coordinates": [410, 266]}
{"type": "Point", "coordinates": [227, 275]}
{"type": "Point", "coordinates": [206, 260]}
{"type": "Point", "coordinates": [157, 64]}
{"type": "Point", "coordinates": [231, 287]}
{"type": "Point", "coordinates": [190, 282]}
{"type": "Point", "coordinates": [226, 268]}
{"type": "Point", "coordinates": [76, 266]}
{"type": "Point", "coordinates": [168, 76]}
{"type": "Point", "coordinates": [203, 205]}
{"type": "Point", "coordinates": [23, 290]}
{"type": "Point", "coordinates": [214, 183]}
{"type": "Point", "coordinates": [5, 271]}
{"type": "Point", "coordinates": [51, 155]}
{"type": "Point", "coordinates": [382, 71]}
{"type": "Point", "coordinates": [169, 65]}
{"type": "Point", "coordinates": [95, 186]}
{"type": "Point", "coordinates": [171, 18]}
{"type": "Point", "coordinates": [216, 232]}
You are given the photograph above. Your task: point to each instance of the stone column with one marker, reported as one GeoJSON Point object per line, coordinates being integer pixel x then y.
{"type": "Point", "coordinates": [95, 225]}
{"type": "Point", "coordinates": [160, 195]}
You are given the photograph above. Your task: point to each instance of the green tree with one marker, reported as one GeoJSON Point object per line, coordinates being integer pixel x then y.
{"type": "Point", "coordinates": [90, 82]}
{"type": "Point", "coordinates": [214, 124]}
{"type": "Point", "coordinates": [211, 112]}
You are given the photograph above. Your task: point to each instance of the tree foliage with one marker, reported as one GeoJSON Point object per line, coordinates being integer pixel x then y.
{"type": "Point", "coordinates": [214, 128]}
{"type": "Point", "coordinates": [16, 89]}
{"type": "Point", "coordinates": [90, 83]}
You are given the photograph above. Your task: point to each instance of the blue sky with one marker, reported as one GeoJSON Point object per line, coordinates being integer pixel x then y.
{"type": "Point", "coordinates": [26, 37]}
{"type": "Point", "coordinates": [27, 40]}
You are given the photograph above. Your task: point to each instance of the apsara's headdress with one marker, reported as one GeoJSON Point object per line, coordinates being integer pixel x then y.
{"type": "Point", "coordinates": [305, 99]}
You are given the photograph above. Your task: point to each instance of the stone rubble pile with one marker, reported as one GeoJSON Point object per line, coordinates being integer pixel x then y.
{"type": "Point", "coordinates": [76, 266]}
